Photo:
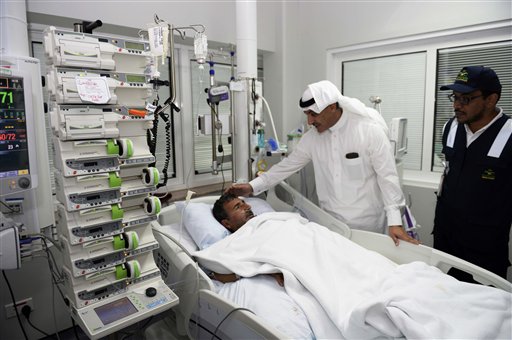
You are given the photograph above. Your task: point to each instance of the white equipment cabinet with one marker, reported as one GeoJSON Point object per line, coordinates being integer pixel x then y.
{"type": "Point", "coordinates": [104, 182]}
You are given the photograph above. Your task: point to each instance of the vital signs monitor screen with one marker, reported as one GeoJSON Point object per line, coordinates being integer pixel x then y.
{"type": "Point", "coordinates": [14, 158]}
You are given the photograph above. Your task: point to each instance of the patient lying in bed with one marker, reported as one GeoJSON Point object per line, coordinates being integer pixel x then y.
{"type": "Point", "coordinates": [261, 294]}
{"type": "Point", "coordinates": [347, 291]}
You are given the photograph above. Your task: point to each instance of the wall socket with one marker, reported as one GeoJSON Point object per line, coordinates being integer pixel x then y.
{"type": "Point", "coordinates": [11, 313]}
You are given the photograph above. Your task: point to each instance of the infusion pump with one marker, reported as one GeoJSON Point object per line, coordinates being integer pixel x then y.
{"type": "Point", "coordinates": [99, 94]}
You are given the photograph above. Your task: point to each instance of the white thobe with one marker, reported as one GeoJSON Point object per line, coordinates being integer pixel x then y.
{"type": "Point", "coordinates": [361, 191]}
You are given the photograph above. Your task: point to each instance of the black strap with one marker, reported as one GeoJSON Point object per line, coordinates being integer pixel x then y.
{"type": "Point", "coordinates": [307, 103]}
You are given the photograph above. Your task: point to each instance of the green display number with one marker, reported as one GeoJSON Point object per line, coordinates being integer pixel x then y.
{"type": "Point", "coordinates": [6, 96]}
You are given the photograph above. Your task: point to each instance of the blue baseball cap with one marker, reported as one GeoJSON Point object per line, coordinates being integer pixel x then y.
{"type": "Point", "coordinates": [472, 78]}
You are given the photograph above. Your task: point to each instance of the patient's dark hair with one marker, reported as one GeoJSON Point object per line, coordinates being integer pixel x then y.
{"type": "Point", "coordinates": [218, 208]}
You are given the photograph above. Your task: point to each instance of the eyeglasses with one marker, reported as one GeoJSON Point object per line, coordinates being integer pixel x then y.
{"type": "Point", "coordinates": [464, 100]}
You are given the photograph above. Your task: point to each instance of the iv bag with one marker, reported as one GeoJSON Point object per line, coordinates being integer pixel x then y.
{"type": "Point", "coordinates": [200, 47]}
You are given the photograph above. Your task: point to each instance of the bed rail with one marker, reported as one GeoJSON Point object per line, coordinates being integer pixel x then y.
{"type": "Point", "coordinates": [200, 310]}
{"type": "Point", "coordinates": [283, 197]}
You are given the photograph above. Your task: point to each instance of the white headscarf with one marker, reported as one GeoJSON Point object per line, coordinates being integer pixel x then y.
{"type": "Point", "coordinates": [326, 93]}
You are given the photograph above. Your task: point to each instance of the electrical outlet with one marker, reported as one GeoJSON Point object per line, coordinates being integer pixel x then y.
{"type": "Point", "coordinates": [11, 313]}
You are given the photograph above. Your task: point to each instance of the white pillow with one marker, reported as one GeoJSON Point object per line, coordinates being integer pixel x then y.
{"type": "Point", "coordinates": [258, 205]}
{"type": "Point", "coordinates": [204, 229]}
{"type": "Point", "coordinates": [198, 220]}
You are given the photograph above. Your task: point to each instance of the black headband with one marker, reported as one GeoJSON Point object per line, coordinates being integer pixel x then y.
{"type": "Point", "coordinates": [307, 103]}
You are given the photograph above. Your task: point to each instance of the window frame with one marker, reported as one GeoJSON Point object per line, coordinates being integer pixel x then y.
{"type": "Point", "coordinates": [430, 43]}
{"type": "Point", "coordinates": [185, 170]}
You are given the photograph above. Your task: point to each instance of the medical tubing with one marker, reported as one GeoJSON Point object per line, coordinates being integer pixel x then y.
{"type": "Point", "coordinates": [151, 134]}
{"type": "Point", "coordinates": [180, 286]}
{"type": "Point", "coordinates": [16, 211]}
{"type": "Point", "coordinates": [14, 304]}
{"type": "Point", "coordinates": [74, 328]}
{"type": "Point", "coordinates": [221, 151]}
{"type": "Point", "coordinates": [187, 201]}
{"type": "Point", "coordinates": [253, 98]}
{"type": "Point", "coordinates": [190, 255]}
{"type": "Point", "coordinates": [173, 66]}
{"type": "Point", "coordinates": [174, 240]}
{"type": "Point", "coordinates": [197, 294]}
{"type": "Point", "coordinates": [172, 141]}
{"type": "Point", "coordinates": [53, 313]}
{"type": "Point", "coordinates": [271, 121]}
{"type": "Point", "coordinates": [50, 257]}
{"type": "Point", "coordinates": [43, 236]}
{"type": "Point", "coordinates": [213, 119]}
{"type": "Point", "coordinates": [167, 152]}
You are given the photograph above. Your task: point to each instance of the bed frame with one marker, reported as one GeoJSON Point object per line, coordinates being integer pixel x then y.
{"type": "Point", "coordinates": [201, 310]}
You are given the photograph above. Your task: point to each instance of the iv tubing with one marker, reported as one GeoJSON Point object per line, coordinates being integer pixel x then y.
{"type": "Point", "coordinates": [271, 121]}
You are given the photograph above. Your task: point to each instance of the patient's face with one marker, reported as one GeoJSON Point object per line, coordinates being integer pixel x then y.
{"type": "Point", "coordinates": [238, 213]}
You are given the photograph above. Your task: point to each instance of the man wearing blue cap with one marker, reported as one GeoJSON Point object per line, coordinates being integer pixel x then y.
{"type": "Point", "coordinates": [474, 205]}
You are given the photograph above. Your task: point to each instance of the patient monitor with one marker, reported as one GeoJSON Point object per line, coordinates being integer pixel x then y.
{"type": "Point", "coordinates": [17, 146]}
{"type": "Point", "coordinates": [23, 166]}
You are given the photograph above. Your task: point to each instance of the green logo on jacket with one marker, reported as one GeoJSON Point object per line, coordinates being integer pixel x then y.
{"type": "Point", "coordinates": [489, 174]}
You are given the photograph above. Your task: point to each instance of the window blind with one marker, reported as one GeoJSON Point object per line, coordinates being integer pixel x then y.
{"type": "Point", "coordinates": [399, 81]}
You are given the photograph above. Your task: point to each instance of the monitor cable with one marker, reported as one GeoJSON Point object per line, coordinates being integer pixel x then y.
{"type": "Point", "coordinates": [14, 304]}
{"type": "Point", "coordinates": [26, 311]}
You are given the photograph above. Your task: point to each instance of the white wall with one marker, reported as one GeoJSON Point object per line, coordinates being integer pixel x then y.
{"type": "Point", "coordinates": [217, 16]}
{"type": "Point", "coordinates": [329, 25]}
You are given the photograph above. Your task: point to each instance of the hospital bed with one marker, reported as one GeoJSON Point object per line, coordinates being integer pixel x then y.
{"type": "Point", "coordinates": [202, 313]}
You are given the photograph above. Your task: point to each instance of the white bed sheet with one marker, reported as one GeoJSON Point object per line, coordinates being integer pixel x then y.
{"type": "Point", "coordinates": [261, 294]}
{"type": "Point", "coordinates": [376, 298]}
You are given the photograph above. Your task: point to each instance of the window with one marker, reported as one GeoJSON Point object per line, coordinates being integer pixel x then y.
{"type": "Point", "coordinates": [202, 115]}
{"type": "Point", "coordinates": [444, 53]}
{"type": "Point", "coordinates": [399, 82]}
{"type": "Point", "coordinates": [200, 126]}
{"type": "Point", "coordinates": [450, 61]}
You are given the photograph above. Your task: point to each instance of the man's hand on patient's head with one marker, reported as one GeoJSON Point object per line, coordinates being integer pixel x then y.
{"type": "Point", "coordinates": [239, 189]}
{"type": "Point", "coordinates": [397, 233]}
